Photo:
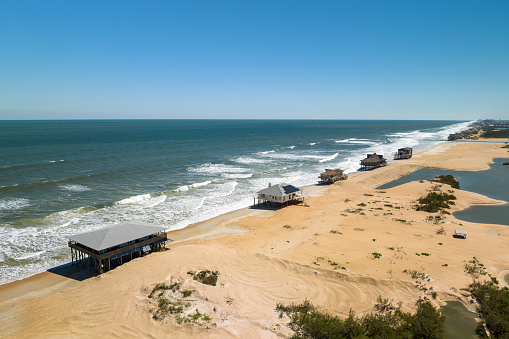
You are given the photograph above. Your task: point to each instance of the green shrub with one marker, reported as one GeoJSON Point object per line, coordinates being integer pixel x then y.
{"type": "Point", "coordinates": [496, 134]}
{"type": "Point", "coordinates": [164, 287]}
{"type": "Point", "coordinates": [493, 308]}
{"type": "Point", "coordinates": [387, 322]}
{"type": "Point", "coordinates": [447, 179]}
{"type": "Point", "coordinates": [206, 277]}
{"type": "Point", "coordinates": [435, 202]}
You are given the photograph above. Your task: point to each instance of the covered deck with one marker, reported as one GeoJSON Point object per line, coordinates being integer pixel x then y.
{"type": "Point", "coordinates": [113, 245]}
{"type": "Point", "coordinates": [373, 161]}
{"type": "Point", "coordinates": [403, 153]}
{"type": "Point", "coordinates": [332, 175]}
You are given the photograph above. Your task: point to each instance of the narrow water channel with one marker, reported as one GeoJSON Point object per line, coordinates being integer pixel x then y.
{"type": "Point", "coordinates": [459, 322]}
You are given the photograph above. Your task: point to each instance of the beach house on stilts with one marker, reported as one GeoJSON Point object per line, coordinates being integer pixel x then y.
{"type": "Point", "coordinates": [279, 195]}
{"type": "Point", "coordinates": [373, 161]}
{"type": "Point", "coordinates": [403, 153]}
{"type": "Point", "coordinates": [332, 175]}
{"type": "Point", "coordinates": [111, 246]}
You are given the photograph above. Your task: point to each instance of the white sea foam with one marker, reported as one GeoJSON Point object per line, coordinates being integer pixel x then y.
{"type": "Point", "coordinates": [312, 143]}
{"type": "Point", "coordinates": [30, 255]}
{"type": "Point", "coordinates": [356, 141]}
{"type": "Point", "coordinates": [199, 184]}
{"type": "Point", "coordinates": [250, 160]}
{"type": "Point", "coordinates": [266, 152]}
{"type": "Point", "coordinates": [349, 165]}
{"type": "Point", "coordinates": [237, 175]}
{"type": "Point", "coordinates": [185, 188]}
{"type": "Point", "coordinates": [225, 190]}
{"type": "Point", "coordinates": [217, 169]}
{"type": "Point", "coordinates": [329, 158]}
{"type": "Point", "coordinates": [10, 204]}
{"type": "Point", "coordinates": [74, 188]}
{"type": "Point", "coordinates": [135, 199]}
{"type": "Point", "coordinates": [156, 201]}
{"type": "Point", "coordinates": [291, 147]}
{"type": "Point", "coordinates": [200, 203]}
{"type": "Point", "coordinates": [294, 156]}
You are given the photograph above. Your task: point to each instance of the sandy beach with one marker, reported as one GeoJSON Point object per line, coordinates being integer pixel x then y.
{"type": "Point", "coordinates": [322, 252]}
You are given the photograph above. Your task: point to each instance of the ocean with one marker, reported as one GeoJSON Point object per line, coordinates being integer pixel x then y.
{"type": "Point", "coordinates": [59, 178]}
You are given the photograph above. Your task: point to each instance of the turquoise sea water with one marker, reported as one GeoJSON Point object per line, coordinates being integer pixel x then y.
{"type": "Point", "coordinates": [59, 178]}
{"type": "Point", "coordinates": [489, 182]}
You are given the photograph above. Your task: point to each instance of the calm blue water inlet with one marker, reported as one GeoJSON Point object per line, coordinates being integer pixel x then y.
{"type": "Point", "coordinates": [489, 182]}
{"type": "Point", "coordinates": [59, 178]}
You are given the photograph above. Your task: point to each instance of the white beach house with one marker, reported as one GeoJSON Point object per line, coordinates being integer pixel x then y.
{"type": "Point", "coordinates": [280, 194]}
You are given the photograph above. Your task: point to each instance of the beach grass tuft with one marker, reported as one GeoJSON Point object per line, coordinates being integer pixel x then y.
{"type": "Point", "coordinates": [206, 277]}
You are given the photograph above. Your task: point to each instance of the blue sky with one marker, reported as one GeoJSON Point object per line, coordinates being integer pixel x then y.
{"type": "Point", "coordinates": [254, 59]}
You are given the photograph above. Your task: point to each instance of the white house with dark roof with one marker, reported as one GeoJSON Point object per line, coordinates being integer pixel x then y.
{"type": "Point", "coordinates": [280, 194]}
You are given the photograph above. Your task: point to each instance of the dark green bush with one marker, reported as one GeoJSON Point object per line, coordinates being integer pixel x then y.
{"type": "Point", "coordinates": [206, 277]}
{"type": "Point", "coordinates": [447, 179]}
{"type": "Point", "coordinates": [496, 134]}
{"type": "Point", "coordinates": [435, 202]}
{"type": "Point", "coordinates": [493, 307]}
{"type": "Point", "coordinates": [308, 322]}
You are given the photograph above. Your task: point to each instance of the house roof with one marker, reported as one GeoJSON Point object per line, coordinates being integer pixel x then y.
{"type": "Point", "coordinates": [373, 158]}
{"type": "Point", "coordinates": [279, 190]}
{"type": "Point", "coordinates": [116, 234]}
{"type": "Point", "coordinates": [333, 171]}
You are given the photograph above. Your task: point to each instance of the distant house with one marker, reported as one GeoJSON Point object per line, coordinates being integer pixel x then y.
{"type": "Point", "coordinates": [373, 161]}
{"type": "Point", "coordinates": [280, 194]}
{"type": "Point", "coordinates": [403, 153]}
{"type": "Point", "coordinates": [332, 175]}
{"type": "Point", "coordinates": [109, 246]}
{"type": "Point", "coordinates": [455, 136]}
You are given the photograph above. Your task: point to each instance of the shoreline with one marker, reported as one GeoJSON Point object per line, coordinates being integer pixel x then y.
{"type": "Point", "coordinates": [246, 244]}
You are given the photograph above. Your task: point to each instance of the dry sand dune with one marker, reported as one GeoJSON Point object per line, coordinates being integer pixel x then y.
{"type": "Point", "coordinates": [322, 253]}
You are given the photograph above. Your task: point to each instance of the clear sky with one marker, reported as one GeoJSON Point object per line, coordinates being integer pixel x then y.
{"type": "Point", "coordinates": [341, 59]}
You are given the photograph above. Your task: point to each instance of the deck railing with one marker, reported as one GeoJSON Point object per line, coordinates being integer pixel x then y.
{"type": "Point", "coordinates": [157, 238]}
